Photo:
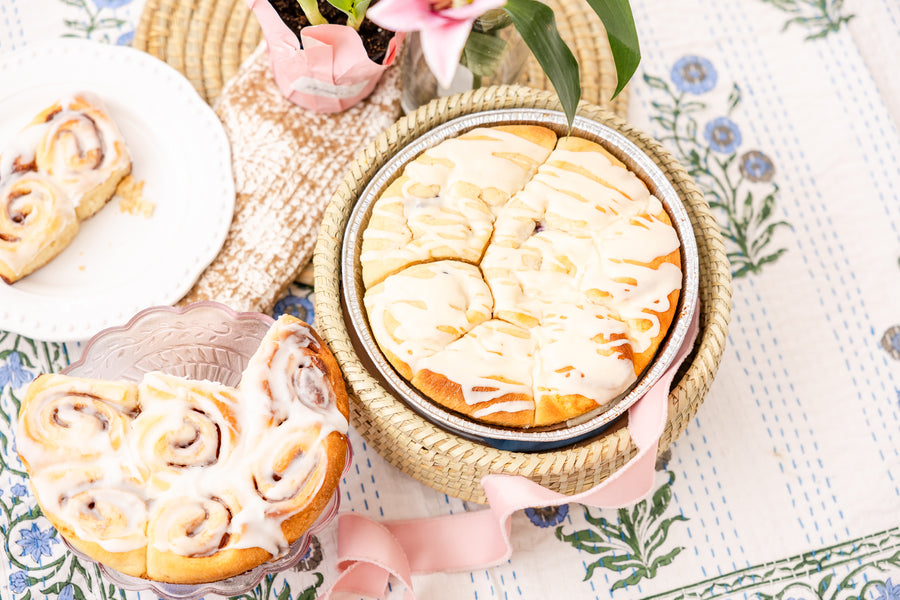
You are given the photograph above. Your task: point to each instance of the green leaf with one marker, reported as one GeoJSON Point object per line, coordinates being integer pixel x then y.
{"type": "Point", "coordinates": [310, 8]}
{"type": "Point", "coordinates": [622, 34]}
{"type": "Point", "coordinates": [354, 10]}
{"type": "Point", "coordinates": [665, 559]}
{"type": "Point", "coordinates": [823, 585]}
{"type": "Point", "coordinates": [734, 98]}
{"type": "Point", "coordinates": [77, 593]}
{"type": "Point", "coordinates": [56, 588]}
{"type": "Point", "coordinates": [536, 24]}
{"type": "Point", "coordinates": [482, 53]}
{"type": "Point", "coordinates": [665, 123]}
{"type": "Point", "coordinates": [656, 82]}
{"type": "Point", "coordinates": [771, 258]}
{"type": "Point", "coordinates": [285, 593]}
{"type": "Point", "coordinates": [661, 498]}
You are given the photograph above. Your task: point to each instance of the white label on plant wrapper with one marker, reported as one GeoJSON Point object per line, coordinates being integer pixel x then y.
{"type": "Point", "coordinates": [314, 87]}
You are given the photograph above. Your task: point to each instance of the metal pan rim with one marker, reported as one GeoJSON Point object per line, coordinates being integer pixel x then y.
{"type": "Point", "coordinates": [498, 437]}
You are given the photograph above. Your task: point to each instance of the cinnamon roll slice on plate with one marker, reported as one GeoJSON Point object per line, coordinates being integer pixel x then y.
{"type": "Point", "coordinates": [58, 171]}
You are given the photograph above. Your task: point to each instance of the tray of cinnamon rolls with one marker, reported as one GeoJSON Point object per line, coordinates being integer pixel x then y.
{"type": "Point", "coordinates": [516, 282]}
{"type": "Point", "coordinates": [192, 450]}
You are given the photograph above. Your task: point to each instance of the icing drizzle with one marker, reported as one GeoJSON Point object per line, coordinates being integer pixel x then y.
{"type": "Point", "coordinates": [580, 259]}
{"type": "Point", "coordinates": [195, 466]}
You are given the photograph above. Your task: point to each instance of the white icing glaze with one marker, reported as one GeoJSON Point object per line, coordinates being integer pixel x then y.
{"type": "Point", "coordinates": [576, 257]}
{"type": "Point", "coordinates": [485, 158]}
{"type": "Point", "coordinates": [509, 407]}
{"type": "Point", "coordinates": [80, 146]}
{"type": "Point", "coordinates": [444, 204]}
{"type": "Point", "coordinates": [582, 350]}
{"type": "Point", "coordinates": [100, 500]}
{"type": "Point", "coordinates": [419, 311]}
{"type": "Point", "coordinates": [477, 359]}
{"type": "Point", "coordinates": [34, 212]}
{"type": "Point", "coordinates": [252, 456]}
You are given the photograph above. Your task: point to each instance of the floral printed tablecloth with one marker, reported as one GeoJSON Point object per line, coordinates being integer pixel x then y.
{"type": "Point", "coordinates": [787, 483]}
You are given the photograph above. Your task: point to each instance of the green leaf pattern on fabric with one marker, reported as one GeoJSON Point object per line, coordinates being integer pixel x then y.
{"type": "Point", "coordinates": [738, 184]}
{"type": "Point", "coordinates": [819, 17]}
{"type": "Point", "coordinates": [633, 547]}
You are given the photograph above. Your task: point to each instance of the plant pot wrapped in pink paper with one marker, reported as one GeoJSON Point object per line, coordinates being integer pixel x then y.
{"type": "Point", "coordinates": [318, 63]}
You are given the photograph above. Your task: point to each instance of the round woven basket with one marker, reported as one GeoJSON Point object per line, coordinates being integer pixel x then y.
{"type": "Point", "coordinates": [455, 465]}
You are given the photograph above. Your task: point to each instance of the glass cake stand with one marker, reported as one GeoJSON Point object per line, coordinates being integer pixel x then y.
{"type": "Point", "coordinates": [204, 340]}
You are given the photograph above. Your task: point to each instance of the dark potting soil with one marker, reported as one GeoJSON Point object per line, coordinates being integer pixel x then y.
{"type": "Point", "coordinates": [374, 38]}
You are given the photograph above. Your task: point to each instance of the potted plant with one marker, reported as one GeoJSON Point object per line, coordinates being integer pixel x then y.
{"type": "Point", "coordinates": [445, 31]}
{"type": "Point", "coordinates": [325, 56]}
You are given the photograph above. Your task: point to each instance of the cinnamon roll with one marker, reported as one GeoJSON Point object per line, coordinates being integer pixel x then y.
{"type": "Point", "coordinates": [183, 425]}
{"type": "Point", "coordinates": [444, 202]}
{"type": "Point", "coordinates": [582, 275]}
{"type": "Point", "coordinates": [81, 147]}
{"type": "Point", "coordinates": [99, 507]}
{"type": "Point", "coordinates": [66, 418]}
{"type": "Point", "coordinates": [191, 481]}
{"type": "Point", "coordinates": [37, 221]}
{"type": "Point", "coordinates": [418, 311]}
{"type": "Point", "coordinates": [59, 170]}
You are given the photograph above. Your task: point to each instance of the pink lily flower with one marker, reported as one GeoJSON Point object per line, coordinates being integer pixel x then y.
{"type": "Point", "coordinates": [443, 31]}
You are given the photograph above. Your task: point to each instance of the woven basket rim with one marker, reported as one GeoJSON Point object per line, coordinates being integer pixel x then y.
{"type": "Point", "coordinates": [379, 416]}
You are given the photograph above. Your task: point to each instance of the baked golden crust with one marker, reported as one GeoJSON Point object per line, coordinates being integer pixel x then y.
{"type": "Point", "coordinates": [191, 481]}
{"type": "Point", "coordinates": [584, 261]}
{"type": "Point", "coordinates": [37, 221]}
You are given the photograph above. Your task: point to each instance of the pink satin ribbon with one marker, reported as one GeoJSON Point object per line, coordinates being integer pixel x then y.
{"type": "Point", "coordinates": [370, 552]}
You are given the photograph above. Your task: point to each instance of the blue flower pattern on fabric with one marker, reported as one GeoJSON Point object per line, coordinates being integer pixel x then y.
{"type": "Point", "coordinates": [547, 516]}
{"type": "Point", "coordinates": [694, 75]}
{"type": "Point", "coordinates": [298, 306]}
{"type": "Point", "coordinates": [890, 341]}
{"type": "Point", "coordinates": [67, 593]}
{"type": "Point", "coordinates": [888, 591]}
{"type": "Point", "coordinates": [757, 167]}
{"type": "Point", "coordinates": [126, 38]}
{"type": "Point", "coordinates": [723, 135]}
{"type": "Point", "coordinates": [746, 205]}
{"type": "Point", "coordinates": [19, 490]}
{"type": "Point", "coordinates": [18, 581]}
{"type": "Point", "coordinates": [101, 4]}
{"type": "Point", "coordinates": [13, 374]}
{"type": "Point", "coordinates": [35, 542]}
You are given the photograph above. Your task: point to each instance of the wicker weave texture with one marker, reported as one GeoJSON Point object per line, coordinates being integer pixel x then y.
{"type": "Point", "coordinates": [207, 40]}
{"type": "Point", "coordinates": [453, 464]}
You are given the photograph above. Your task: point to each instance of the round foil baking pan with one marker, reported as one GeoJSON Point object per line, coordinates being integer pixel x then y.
{"type": "Point", "coordinates": [534, 439]}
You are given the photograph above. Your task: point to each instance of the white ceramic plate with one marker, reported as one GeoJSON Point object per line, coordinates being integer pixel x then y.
{"type": "Point", "coordinates": [120, 263]}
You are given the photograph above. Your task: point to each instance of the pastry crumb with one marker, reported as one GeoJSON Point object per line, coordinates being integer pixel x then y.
{"type": "Point", "coordinates": [131, 198]}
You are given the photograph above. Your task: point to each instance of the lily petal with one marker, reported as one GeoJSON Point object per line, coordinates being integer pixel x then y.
{"type": "Point", "coordinates": [442, 48]}
{"type": "Point", "coordinates": [403, 15]}
{"type": "Point", "coordinates": [473, 10]}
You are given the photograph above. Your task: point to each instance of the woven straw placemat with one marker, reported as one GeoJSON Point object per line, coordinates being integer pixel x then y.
{"type": "Point", "coordinates": [211, 41]}
{"type": "Point", "coordinates": [207, 40]}
{"type": "Point", "coordinates": [450, 463]}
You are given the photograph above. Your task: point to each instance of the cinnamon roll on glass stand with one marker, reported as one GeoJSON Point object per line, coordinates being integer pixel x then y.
{"type": "Point", "coordinates": [183, 481]}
